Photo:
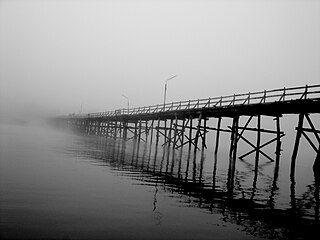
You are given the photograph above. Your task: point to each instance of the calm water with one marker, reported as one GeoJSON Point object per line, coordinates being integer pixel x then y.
{"type": "Point", "coordinates": [58, 185]}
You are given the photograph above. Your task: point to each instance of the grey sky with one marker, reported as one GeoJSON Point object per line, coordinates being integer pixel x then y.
{"type": "Point", "coordinates": [57, 55]}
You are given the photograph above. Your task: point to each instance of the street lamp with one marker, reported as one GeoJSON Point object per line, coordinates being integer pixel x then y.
{"type": "Point", "coordinates": [165, 90]}
{"type": "Point", "coordinates": [81, 107]}
{"type": "Point", "coordinates": [127, 101]}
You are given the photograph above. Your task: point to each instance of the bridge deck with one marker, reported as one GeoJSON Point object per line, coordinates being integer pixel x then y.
{"type": "Point", "coordinates": [276, 102]}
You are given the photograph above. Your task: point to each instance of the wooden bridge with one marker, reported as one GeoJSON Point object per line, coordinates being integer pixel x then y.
{"type": "Point", "coordinates": [185, 123]}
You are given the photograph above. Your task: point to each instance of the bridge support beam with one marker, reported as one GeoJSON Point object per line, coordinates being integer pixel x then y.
{"type": "Point", "coordinates": [151, 138]}
{"type": "Point", "coordinates": [197, 134]}
{"type": "Point", "coordinates": [233, 153]}
{"type": "Point", "coordinates": [175, 133]}
{"type": "Point", "coordinates": [258, 142]}
{"type": "Point", "coordinates": [215, 157]}
{"type": "Point", "coordinates": [296, 146]}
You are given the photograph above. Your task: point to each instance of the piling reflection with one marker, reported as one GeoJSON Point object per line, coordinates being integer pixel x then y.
{"type": "Point", "coordinates": [184, 173]}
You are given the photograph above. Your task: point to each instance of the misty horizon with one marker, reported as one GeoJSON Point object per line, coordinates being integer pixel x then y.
{"type": "Point", "coordinates": [62, 57]}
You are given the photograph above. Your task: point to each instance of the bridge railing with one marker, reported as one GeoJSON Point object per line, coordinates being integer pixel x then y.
{"type": "Point", "coordinates": [275, 95]}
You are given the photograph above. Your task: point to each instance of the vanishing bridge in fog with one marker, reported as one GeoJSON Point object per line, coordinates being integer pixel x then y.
{"type": "Point", "coordinates": [185, 123]}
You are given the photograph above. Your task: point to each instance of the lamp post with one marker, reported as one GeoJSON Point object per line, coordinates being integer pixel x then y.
{"type": "Point", "coordinates": [165, 90]}
{"type": "Point", "coordinates": [127, 101]}
{"type": "Point", "coordinates": [81, 107]}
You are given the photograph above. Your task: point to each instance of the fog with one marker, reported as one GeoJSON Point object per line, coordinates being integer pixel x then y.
{"type": "Point", "coordinates": [67, 56]}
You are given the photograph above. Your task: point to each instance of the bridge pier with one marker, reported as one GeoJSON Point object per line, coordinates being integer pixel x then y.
{"type": "Point", "coordinates": [278, 146]}
{"type": "Point", "coordinates": [258, 142]}
{"type": "Point", "coordinates": [233, 152]}
{"type": "Point", "coordinates": [151, 138]}
{"type": "Point", "coordinates": [181, 150]}
{"type": "Point", "coordinates": [125, 131]}
{"type": "Point", "coordinates": [174, 142]}
{"type": "Point", "coordinates": [215, 156]}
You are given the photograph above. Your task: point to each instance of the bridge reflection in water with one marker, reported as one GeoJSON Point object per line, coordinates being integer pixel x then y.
{"type": "Point", "coordinates": [185, 176]}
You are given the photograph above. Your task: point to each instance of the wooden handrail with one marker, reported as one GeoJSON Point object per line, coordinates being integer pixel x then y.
{"type": "Point", "coordinates": [259, 97]}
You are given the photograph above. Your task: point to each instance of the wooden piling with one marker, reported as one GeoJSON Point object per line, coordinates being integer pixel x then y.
{"type": "Point", "coordinates": [181, 150]}
{"type": "Point", "coordinates": [119, 126]}
{"type": "Point", "coordinates": [108, 129]}
{"type": "Point", "coordinates": [296, 145]}
{"type": "Point", "coordinates": [258, 142]}
{"type": "Point", "coordinates": [115, 129]}
{"type": "Point", "coordinates": [189, 147]}
{"type": "Point", "coordinates": [232, 140]}
{"type": "Point", "coordinates": [135, 130]}
{"type": "Point", "coordinates": [204, 133]}
{"type": "Point", "coordinates": [146, 130]}
{"type": "Point", "coordinates": [217, 136]}
{"type": "Point", "coordinates": [234, 156]}
{"type": "Point", "coordinates": [195, 149]}
{"type": "Point", "coordinates": [197, 134]}
{"type": "Point", "coordinates": [233, 153]}
{"type": "Point", "coordinates": [158, 133]}
{"type": "Point", "coordinates": [156, 147]}
{"type": "Point", "coordinates": [139, 136]}
{"type": "Point", "coordinates": [100, 128]}
{"type": "Point", "coordinates": [174, 142]}
{"type": "Point", "coordinates": [278, 145]}
{"type": "Point", "coordinates": [190, 132]}
{"type": "Point", "coordinates": [125, 131]}
{"type": "Point", "coordinates": [151, 139]}
{"type": "Point", "coordinates": [168, 147]}
{"type": "Point", "coordinates": [165, 131]}
{"type": "Point", "coordinates": [216, 153]}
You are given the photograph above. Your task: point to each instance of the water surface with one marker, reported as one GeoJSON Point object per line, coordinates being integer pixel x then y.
{"type": "Point", "coordinates": [58, 185]}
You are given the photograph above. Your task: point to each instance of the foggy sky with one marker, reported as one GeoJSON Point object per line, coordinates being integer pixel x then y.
{"type": "Point", "coordinates": [56, 56]}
